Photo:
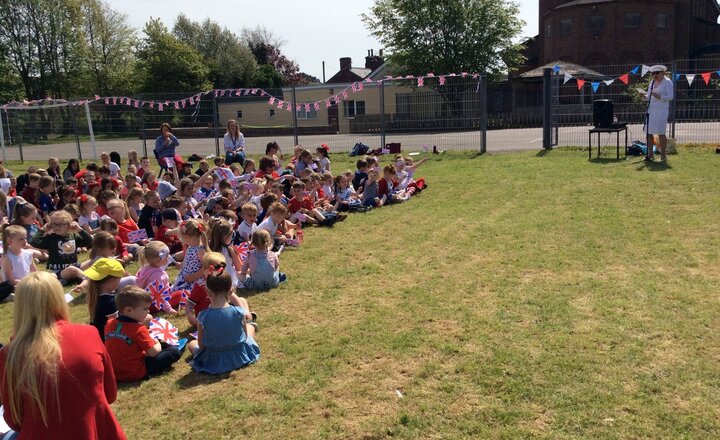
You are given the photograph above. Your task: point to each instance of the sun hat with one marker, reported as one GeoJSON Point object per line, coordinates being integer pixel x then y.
{"type": "Point", "coordinates": [105, 267]}
{"type": "Point", "coordinates": [658, 68]}
{"type": "Point", "coordinates": [165, 189]}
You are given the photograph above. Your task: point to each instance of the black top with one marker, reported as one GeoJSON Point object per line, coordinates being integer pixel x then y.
{"type": "Point", "coordinates": [104, 309]}
{"type": "Point", "coordinates": [62, 250]}
{"type": "Point", "coordinates": [149, 217]}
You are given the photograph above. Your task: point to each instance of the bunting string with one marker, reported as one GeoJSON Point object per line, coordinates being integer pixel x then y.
{"type": "Point", "coordinates": [344, 94]}
{"type": "Point", "coordinates": [640, 69]}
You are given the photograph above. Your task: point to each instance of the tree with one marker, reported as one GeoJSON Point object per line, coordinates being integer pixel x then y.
{"type": "Point", "coordinates": [265, 46]}
{"type": "Point", "coordinates": [169, 65]}
{"type": "Point", "coordinates": [449, 36]}
{"type": "Point", "coordinates": [230, 62]}
{"type": "Point", "coordinates": [111, 42]}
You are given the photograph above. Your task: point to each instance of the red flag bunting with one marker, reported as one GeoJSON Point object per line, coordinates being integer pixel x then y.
{"type": "Point", "coordinates": [580, 83]}
{"type": "Point", "coordinates": [706, 77]}
{"type": "Point", "coordinates": [624, 78]}
{"type": "Point", "coordinates": [317, 105]}
{"type": "Point", "coordinates": [421, 81]}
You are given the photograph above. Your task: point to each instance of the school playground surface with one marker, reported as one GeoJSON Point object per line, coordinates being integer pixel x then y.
{"type": "Point", "coordinates": [497, 140]}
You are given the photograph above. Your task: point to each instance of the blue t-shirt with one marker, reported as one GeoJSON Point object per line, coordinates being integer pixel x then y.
{"type": "Point", "coordinates": [46, 203]}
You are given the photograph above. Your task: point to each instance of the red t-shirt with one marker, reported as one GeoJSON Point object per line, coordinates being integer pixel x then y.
{"type": "Point", "coordinates": [86, 387]}
{"type": "Point", "coordinates": [127, 341]}
{"type": "Point", "coordinates": [261, 175]}
{"type": "Point", "coordinates": [127, 226]}
{"type": "Point", "coordinates": [199, 297]}
{"type": "Point", "coordinates": [294, 204]}
{"type": "Point", "coordinates": [120, 248]}
{"type": "Point", "coordinates": [101, 210]}
{"type": "Point", "coordinates": [172, 241]}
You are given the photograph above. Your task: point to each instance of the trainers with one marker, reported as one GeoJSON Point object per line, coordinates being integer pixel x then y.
{"type": "Point", "coordinates": [341, 217]}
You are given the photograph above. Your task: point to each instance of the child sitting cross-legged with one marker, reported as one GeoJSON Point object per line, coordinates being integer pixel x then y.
{"type": "Point", "coordinates": [153, 278]}
{"type": "Point", "coordinates": [301, 208]}
{"type": "Point", "coordinates": [104, 279]}
{"type": "Point", "coordinates": [62, 237]}
{"type": "Point", "coordinates": [225, 339]}
{"type": "Point", "coordinates": [276, 225]}
{"type": "Point", "coordinates": [135, 354]}
{"type": "Point", "coordinates": [262, 264]}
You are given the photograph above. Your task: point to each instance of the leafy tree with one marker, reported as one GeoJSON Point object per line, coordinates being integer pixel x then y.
{"type": "Point", "coordinates": [265, 46]}
{"type": "Point", "coordinates": [169, 65]}
{"type": "Point", "coordinates": [111, 62]}
{"type": "Point", "coordinates": [230, 61]}
{"type": "Point", "coordinates": [447, 36]}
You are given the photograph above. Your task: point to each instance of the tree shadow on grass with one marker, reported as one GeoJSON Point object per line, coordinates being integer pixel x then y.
{"type": "Point", "coordinates": [193, 379]}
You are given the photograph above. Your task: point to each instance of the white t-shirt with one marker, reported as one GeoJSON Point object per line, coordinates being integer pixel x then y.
{"type": "Point", "coordinates": [20, 263]}
{"type": "Point", "coordinates": [269, 226]}
{"type": "Point", "coordinates": [114, 169]}
{"type": "Point", "coordinates": [246, 231]}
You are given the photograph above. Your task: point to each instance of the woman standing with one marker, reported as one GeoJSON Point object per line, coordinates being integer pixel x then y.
{"type": "Point", "coordinates": [234, 143]}
{"type": "Point", "coordinates": [57, 379]}
{"type": "Point", "coordinates": [658, 95]}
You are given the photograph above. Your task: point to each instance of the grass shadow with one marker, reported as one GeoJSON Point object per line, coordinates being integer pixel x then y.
{"type": "Point", "coordinates": [654, 166]}
{"type": "Point", "coordinates": [193, 379]}
{"type": "Point", "coordinates": [544, 152]}
{"type": "Point", "coordinates": [606, 160]}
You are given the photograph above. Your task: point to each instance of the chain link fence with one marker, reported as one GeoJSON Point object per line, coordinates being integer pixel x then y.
{"type": "Point", "coordinates": [694, 113]}
{"type": "Point", "coordinates": [448, 117]}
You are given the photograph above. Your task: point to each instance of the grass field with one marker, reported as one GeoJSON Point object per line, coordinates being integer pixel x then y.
{"type": "Point", "coordinates": [522, 295]}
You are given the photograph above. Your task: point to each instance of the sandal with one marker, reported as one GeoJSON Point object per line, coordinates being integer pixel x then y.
{"type": "Point", "coordinates": [255, 324]}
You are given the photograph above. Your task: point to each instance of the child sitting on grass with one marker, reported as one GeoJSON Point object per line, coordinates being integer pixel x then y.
{"type": "Point", "coordinates": [16, 261]}
{"type": "Point", "coordinates": [260, 268]}
{"type": "Point", "coordinates": [249, 213]}
{"type": "Point", "coordinates": [153, 278]}
{"type": "Point", "coordinates": [225, 339]}
{"type": "Point", "coordinates": [134, 353]}
{"type": "Point", "coordinates": [62, 237]}
{"type": "Point", "coordinates": [89, 219]}
{"type": "Point", "coordinates": [104, 278]}
{"type": "Point", "coordinates": [192, 235]}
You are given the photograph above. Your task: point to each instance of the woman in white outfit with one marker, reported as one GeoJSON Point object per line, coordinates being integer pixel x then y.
{"type": "Point", "coordinates": [658, 95]}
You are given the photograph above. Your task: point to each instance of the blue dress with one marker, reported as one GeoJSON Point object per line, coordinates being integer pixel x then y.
{"type": "Point", "coordinates": [226, 346]}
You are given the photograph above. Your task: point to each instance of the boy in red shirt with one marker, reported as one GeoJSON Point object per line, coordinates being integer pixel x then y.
{"type": "Point", "coordinates": [134, 353]}
{"type": "Point", "coordinates": [301, 208]}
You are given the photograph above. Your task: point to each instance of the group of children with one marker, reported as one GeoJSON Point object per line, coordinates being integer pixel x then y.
{"type": "Point", "coordinates": [223, 227]}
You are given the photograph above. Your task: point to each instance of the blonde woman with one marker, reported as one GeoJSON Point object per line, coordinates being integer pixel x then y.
{"type": "Point", "coordinates": [41, 366]}
{"type": "Point", "coordinates": [234, 143]}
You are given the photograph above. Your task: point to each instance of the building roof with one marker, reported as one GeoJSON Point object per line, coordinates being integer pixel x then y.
{"type": "Point", "coordinates": [571, 68]}
{"type": "Point", "coordinates": [583, 2]}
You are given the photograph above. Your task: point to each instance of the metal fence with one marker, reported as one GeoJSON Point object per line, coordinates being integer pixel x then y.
{"type": "Point", "coordinates": [450, 117]}
{"type": "Point", "coordinates": [694, 113]}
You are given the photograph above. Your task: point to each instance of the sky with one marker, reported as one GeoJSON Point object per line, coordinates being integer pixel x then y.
{"type": "Point", "coordinates": [313, 31]}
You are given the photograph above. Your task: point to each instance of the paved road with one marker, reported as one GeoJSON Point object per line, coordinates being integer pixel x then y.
{"type": "Point", "coordinates": [498, 140]}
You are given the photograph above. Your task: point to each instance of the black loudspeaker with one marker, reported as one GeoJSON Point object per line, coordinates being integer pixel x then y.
{"type": "Point", "coordinates": [603, 113]}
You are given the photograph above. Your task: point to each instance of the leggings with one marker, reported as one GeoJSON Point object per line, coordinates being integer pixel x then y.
{"type": "Point", "coordinates": [163, 361]}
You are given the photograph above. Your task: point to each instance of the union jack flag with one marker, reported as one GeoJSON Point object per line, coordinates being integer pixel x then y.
{"type": "Point", "coordinates": [242, 250]}
{"type": "Point", "coordinates": [163, 330]}
{"type": "Point", "coordinates": [160, 293]}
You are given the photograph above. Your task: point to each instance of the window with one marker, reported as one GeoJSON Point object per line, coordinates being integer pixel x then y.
{"type": "Point", "coordinates": [302, 114]}
{"type": "Point", "coordinates": [238, 114]}
{"type": "Point", "coordinates": [662, 21]}
{"type": "Point", "coordinates": [597, 22]}
{"type": "Point", "coordinates": [354, 108]}
{"type": "Point", "coordinates": [632, 20]}
{"type": "Point", "coordinates": [272, 113]}
{"type": "Point", "coordinates": [565, 26]}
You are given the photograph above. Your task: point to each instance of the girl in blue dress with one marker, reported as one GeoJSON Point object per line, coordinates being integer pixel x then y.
{"type": "Point", "coordinates": [225, 340]}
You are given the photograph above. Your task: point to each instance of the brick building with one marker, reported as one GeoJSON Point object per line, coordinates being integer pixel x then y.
{"type": "Point", "coordinates": [597, 32]}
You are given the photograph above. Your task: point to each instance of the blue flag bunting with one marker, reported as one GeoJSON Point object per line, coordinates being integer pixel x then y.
{"type": "Point", "coordinates": [556, 68]}
{"type": "Point", "coordinates": [595, 86]}
{"type": "Point", "coordinates": [635, 70]}
{"type": "Point", "coordinates": [677, 76]}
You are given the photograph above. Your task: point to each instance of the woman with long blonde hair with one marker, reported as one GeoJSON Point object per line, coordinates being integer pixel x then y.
{"type": "Point", "coordinates": [56, 377]}
{"type": "Point", "coordinates": [234, 143]}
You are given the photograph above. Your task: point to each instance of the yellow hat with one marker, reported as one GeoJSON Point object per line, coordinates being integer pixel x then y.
{"type": "Point", "coordinates": [103, 268]}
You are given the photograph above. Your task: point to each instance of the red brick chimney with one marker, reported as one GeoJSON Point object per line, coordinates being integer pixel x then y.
{"type": "Point", "coordinates": [345, 63]}
{"type": "Point", "coordinates": [373, 61]}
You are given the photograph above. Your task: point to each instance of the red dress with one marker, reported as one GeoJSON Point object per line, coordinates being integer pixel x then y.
{"type": "Point", "coordinates": [86, 387]}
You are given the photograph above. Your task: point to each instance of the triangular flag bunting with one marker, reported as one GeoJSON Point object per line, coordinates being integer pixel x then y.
{"type": "Point", "coordinates": [595, 86]}
{"type": "Point", "coordinates": [580, 83]}
{"type": "Point", "coordinates": [556, 68]}
{"type": "Point", "coordinates": [677, 76]}
{"type": "Point", "coordinates": [635, 70]}
{"type": "Point", "coordinates": [624, 78]}
{"type": "Point", "coordinates": [706, 77]}
{"type": "Point", "coordinates": [568, 77]}
{"type": "Point", "coordinates": [645, 70]}
{"type": "Point", "coordinates": [690, 78]}
{"type": "Point", "coordinates": [608, 82]}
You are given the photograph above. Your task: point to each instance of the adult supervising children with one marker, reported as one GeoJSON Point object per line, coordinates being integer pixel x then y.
{"type": "Point", "coordinates": [658, 95]}
{"type": "Point", "coordinates": [234, 143]}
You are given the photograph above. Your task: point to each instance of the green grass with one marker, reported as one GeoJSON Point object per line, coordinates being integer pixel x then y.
{"type": "Point", "coordinates": [522, 295]}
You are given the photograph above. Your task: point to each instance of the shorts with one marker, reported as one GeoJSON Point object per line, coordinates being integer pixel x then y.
{"type": "Point", "coordinates": [58, 272]}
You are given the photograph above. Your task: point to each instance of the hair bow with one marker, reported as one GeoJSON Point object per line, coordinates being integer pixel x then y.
{"type": "Point", "coordinates": [215, 270]}
{"type": "Point", "coordinates": [83, 198]}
